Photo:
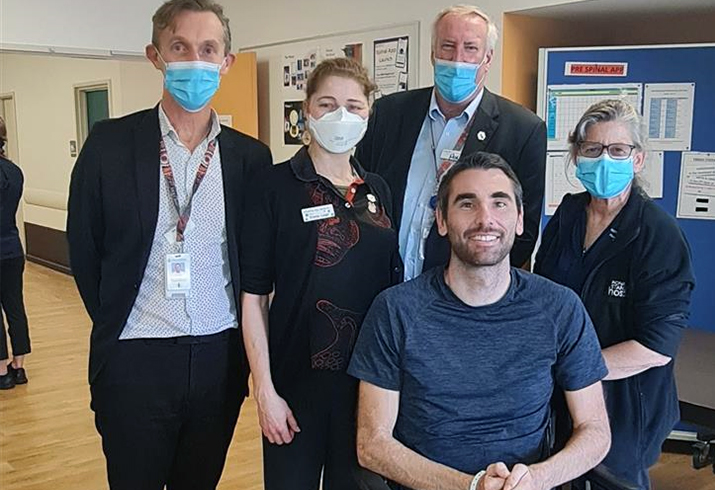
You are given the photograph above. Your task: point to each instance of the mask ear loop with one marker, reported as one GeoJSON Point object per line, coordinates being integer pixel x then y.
{"type": "Point", "coordinates": [158, 53]}
{"type": "Point", "coordinates": [220, 65]}
{"type": "Point", "coordinates": [479, 66]}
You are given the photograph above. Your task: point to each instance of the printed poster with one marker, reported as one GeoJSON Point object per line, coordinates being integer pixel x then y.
{"type": "Point", "coordinates": [296, 70]}
{"type": "Point", "coordinates": [350, 50]}
{"type": "Point", "coordinates": [696, 195]}
{"type": "Point", "coordinates": [668, 111]}
{"type": "Point", "coordinates": [390, 65]}
{"type": "Point", "coordinates": [293, 122]}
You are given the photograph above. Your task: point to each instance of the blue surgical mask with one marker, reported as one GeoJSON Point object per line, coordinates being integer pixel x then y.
{"type": "Point", "coordinates": [604, 177]}
{"type": "Point", "coordinates": [192, 84]}
{"type": "Point", "coordinates": [455, 80]}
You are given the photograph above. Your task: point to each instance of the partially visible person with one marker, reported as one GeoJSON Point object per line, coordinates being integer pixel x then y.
{"type": "Point", "coordinates": [12, 265]}
{"type": "Point", "coordinates": [458, 366]}
{"type": "Point", "coordinates": [630, 264]}
{"type": "Point", "coordinates": [415, 136]}
{"type": "Point", "coordinates": [318, 233]}
{"type": "Point", "coordinates": [155, 208]}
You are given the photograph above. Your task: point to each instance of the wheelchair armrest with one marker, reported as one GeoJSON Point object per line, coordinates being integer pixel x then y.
{"type": "Point", "coordinates": [604, 478]}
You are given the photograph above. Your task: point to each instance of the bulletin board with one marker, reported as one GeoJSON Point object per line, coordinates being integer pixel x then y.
{"type": "Point", "coordinates": [390, 54]}
{"type": "Point", "coordinates": [673, 87]}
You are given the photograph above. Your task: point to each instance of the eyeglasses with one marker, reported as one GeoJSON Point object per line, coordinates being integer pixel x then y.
{"type": "Point", "coordinates": [617, 151]}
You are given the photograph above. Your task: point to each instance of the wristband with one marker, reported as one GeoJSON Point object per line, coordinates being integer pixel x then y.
{"type": "Point", "coordinates": [475, 480]}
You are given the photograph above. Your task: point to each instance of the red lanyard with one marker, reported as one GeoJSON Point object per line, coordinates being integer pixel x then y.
{"type": "Point", "coordinates": [447, 163]}
{"type": "Point", "coordinates": [169, 175]}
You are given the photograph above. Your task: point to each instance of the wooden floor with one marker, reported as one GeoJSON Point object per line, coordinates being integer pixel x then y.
{"type": "Point", "coordinates": [47, 435]}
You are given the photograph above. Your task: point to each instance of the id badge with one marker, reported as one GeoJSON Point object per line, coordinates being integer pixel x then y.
{"type": "Point", "coordinates": [450, 155]}
{"type": "Point", "coordinates": [177, 270]}
{"type": "Point", "coordinates": [317, 213]}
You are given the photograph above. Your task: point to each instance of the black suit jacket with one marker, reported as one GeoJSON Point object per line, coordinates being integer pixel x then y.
{"type": "Point", "coordinates": [112, 214]}
{"type": "Point", "coordinates": [510, 130]}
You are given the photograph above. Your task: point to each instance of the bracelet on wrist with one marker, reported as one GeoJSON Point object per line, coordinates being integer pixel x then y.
{"type": "Point", "coordinates": [475, 480]}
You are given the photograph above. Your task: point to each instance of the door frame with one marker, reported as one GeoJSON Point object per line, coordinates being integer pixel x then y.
{"type": "Point", "coordinates": [80, 102]}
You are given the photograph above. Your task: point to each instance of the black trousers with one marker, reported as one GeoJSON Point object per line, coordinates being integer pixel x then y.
{"type": "Point", "coordinates": [166, 410]}
{"type": "Point", "coordinates": [13, 308]}
{"type": "Point", "coordinates": [323, 403]}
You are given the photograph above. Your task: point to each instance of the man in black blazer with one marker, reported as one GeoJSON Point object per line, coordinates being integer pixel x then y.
{"type": "Point", "coordinates": [411, 133]}
{"type": "Point", "coordinates": [154, 211]}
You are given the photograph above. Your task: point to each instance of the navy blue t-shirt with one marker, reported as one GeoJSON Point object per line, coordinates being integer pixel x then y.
{"type": "Point", "coordinates": [475, 382]}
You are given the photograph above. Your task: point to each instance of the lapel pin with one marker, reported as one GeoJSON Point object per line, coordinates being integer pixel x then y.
{"type": "Point", "coordinates": [481, 135]}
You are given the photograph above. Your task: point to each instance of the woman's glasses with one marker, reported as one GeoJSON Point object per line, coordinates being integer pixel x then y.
{"type": "Point", "coordinates": [617, 151]}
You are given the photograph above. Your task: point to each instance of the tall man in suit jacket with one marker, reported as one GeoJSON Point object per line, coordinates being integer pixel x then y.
{"type": "Point", "coordinates": [411, 134]}
{"type": "Point", "coordinates": [154, 210]}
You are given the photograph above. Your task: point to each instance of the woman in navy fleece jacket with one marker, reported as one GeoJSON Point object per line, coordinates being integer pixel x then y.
{"type": "Point", "coordinates": [630, 263]}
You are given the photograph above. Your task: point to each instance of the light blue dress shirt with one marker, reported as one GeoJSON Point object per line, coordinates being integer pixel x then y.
{"type": "Point", "coordinates": [437, 134]}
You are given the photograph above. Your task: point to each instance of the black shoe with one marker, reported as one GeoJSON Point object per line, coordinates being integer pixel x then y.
{"type": "Point", "coordinates": [7, 381]}
{"type": "Point", "coordinates": [18, 374]}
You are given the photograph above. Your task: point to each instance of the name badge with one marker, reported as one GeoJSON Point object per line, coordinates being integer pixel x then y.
{"type": "Point", "coordinates": [177, 271]}
{"type": "Point", "coordinates": [450, 155]}
{"type": "Point", "coordinates": [317, 213]}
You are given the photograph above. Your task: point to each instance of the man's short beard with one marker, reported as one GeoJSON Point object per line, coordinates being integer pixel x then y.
{"type": "Point", "coordinates": [461, 248]}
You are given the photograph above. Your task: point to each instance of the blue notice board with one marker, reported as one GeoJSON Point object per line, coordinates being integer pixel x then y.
{"type": "Point", "coordinates": [688, 63]}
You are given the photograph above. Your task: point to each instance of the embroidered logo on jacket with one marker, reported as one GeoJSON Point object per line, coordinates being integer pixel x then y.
{"type": "Point", "coordinates": [617, 289]}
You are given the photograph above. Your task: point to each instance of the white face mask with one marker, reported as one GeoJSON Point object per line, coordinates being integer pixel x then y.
{"type": "Point", "coordinates": [338, 131]}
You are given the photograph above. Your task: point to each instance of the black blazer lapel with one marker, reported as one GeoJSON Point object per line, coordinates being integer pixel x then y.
{"type": "Point", "coordinates": [413, 119]}
{"type": "Point", "coordinates": [484, 126]}
{"type": "Point", "coordinates": [232, 174]}
{"type": "Point", "coordinates": [397, 168]}
{"type": "Point", "coordinates": [146, 161]}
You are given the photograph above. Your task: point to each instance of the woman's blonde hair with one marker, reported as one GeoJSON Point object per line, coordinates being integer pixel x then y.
{"type": "Point", "coordinates": [339, 67]}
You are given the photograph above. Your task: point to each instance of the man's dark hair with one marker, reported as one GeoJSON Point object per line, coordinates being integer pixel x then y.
{"type": "Point", "coordinates": [479, 160]}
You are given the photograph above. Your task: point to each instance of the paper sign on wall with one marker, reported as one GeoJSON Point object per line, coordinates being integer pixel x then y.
{"type": "Point", "coordinates": [560, 180]}
{"type": "Point", "coordinates": [390, 65]}
{"type": "Point", "coordinates": [349, 50]}
{"type": "Point", "coordinates": [651, 176]}
{"type": "Point", "coordinates": [590, 69]}
{"type": "Point", "coordinates": [696, 195]}
{"type": "Point", "coordinates": [668, 111]}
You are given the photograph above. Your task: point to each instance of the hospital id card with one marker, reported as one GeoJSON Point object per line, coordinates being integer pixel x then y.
{"type": "Point", "coordinates": [177, 271]}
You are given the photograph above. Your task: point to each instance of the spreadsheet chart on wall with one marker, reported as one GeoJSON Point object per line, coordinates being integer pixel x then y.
{"type": "Point", "coordinates": [567, 103]}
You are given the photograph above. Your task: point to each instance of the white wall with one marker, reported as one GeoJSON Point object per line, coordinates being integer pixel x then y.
{"type": "Point", "coordinates": [43, 88]}
{"type": "Point", "coordinates": [123, 25]}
